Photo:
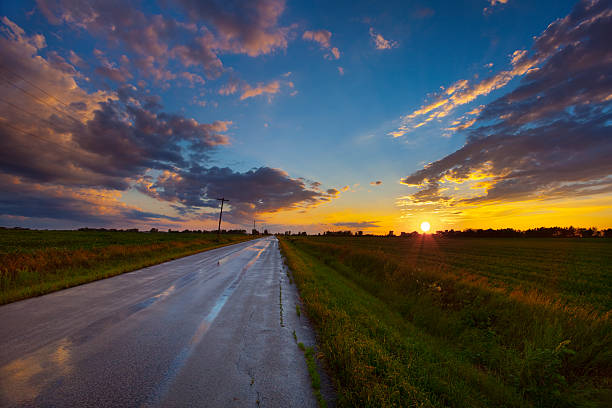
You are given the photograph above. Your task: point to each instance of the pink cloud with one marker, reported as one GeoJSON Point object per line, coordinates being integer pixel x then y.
{"type": "Point", "coordinates": [380, 42]}
{"type": "Point", "coordinates": [270, 88]}
{"type": "Point", "coordinates": [323, 38]}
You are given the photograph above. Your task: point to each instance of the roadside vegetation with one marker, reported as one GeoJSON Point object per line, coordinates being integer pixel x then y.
{"type": "Point", "coordinates": [433, 322]}
{"type": "Point", "coordinates": [33, 262]}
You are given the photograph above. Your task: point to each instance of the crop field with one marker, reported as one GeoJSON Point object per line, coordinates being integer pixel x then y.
{"type": "Point", "coordinates": [33, 263]}
{"type": "Point", "coordinates": [460, 322]}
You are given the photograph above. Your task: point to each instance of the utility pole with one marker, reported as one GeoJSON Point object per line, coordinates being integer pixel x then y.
{"type": "Point", "coordinates": [221, 213]}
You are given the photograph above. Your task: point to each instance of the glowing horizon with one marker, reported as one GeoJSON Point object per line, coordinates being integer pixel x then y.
{"type": "Point", "coordinates": [340, 117]}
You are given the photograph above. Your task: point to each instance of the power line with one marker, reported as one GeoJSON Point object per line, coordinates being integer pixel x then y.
{"type": "Point", "coordinates": [40, 100]}
{"type": "Point", "coordinates": [27, 111]}
{"type": "Point", "coordinates": [67, 148]}
{"type": "Point", "coordinates": [34, 85]}
{"type": "Point", "coordinates": [34, 135]}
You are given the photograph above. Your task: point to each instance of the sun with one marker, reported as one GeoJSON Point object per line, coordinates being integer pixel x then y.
{"type": "Point", "coordinates": [425, 226]}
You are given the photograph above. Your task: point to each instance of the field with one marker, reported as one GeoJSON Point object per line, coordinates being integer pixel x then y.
{"type": "Point", "coordinates": [33, 263]}
{"type": "Point", "coordinates": [430, 322]}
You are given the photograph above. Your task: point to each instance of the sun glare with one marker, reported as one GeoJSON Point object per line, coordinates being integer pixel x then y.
{"type": "Point", "coordinates": [425, 226]}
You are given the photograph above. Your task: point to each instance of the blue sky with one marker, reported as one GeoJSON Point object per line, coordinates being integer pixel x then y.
{"type": "Point", "coordinates": [314, 90]}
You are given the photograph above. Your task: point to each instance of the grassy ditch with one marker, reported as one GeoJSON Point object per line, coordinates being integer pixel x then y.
{"type": "Point", "coordinates": [430, 324]}
{"type": "Point", "coordinates": [33, 263]}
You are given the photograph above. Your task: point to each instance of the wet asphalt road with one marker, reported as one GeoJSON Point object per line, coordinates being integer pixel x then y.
{"type": "Point", "coordinates": [206, 330]}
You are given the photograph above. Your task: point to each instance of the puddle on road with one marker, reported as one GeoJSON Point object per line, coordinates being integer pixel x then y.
{"type": "Point", "coordinates": [22, 380]}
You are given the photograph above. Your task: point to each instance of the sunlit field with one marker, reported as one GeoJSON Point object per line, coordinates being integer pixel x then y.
{"type": "Point", "coordinates": [37, 262]}
{"type": "Point", "coordinates": [460, 322]}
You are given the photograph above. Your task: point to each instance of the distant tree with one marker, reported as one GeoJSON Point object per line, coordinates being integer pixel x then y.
{"type": "Point", "coordinates": [339, 233]}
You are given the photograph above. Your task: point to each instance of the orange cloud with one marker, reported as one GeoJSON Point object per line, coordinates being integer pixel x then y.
{"type": "Point", "coordinates": [463, 92]}
{"type": "Point", "coordinates": [493, 3]}
{"type": "Point", "coordinates": [323, 37]}
{"type": "Point", "coordinates": [380, 42]}
{"type": "Point", "coordinates": [270, 88]}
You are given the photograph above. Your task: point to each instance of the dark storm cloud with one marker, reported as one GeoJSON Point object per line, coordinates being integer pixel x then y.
{"type": "Point", "coordinates": [551, 136]}
{"type": "Point", "coordinates": [261, 190]}
{"type": "Point", "coordinates": [91, 208]}
{"type": "Point", "coordinates": [119, 142]}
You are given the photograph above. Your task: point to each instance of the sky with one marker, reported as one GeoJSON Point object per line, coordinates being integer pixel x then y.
{"type": "Point", "coordinates": [307, 116]}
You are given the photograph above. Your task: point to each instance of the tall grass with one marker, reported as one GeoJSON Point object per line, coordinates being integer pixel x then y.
{"type": "Point", "coordinates": [409, 328]}
{"type": "Point", "coordinates": [39, 262]}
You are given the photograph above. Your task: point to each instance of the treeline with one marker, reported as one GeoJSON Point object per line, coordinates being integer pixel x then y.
{"type": "Point", "coordinates": [542, 232]}
{"type": "Point", "coordinates": [236, 231]}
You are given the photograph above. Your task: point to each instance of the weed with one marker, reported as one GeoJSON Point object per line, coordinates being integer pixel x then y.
{"type": "Point", "coordinates": [280, 303]}
{"type": "Point", "coordinates": [315, 379]}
